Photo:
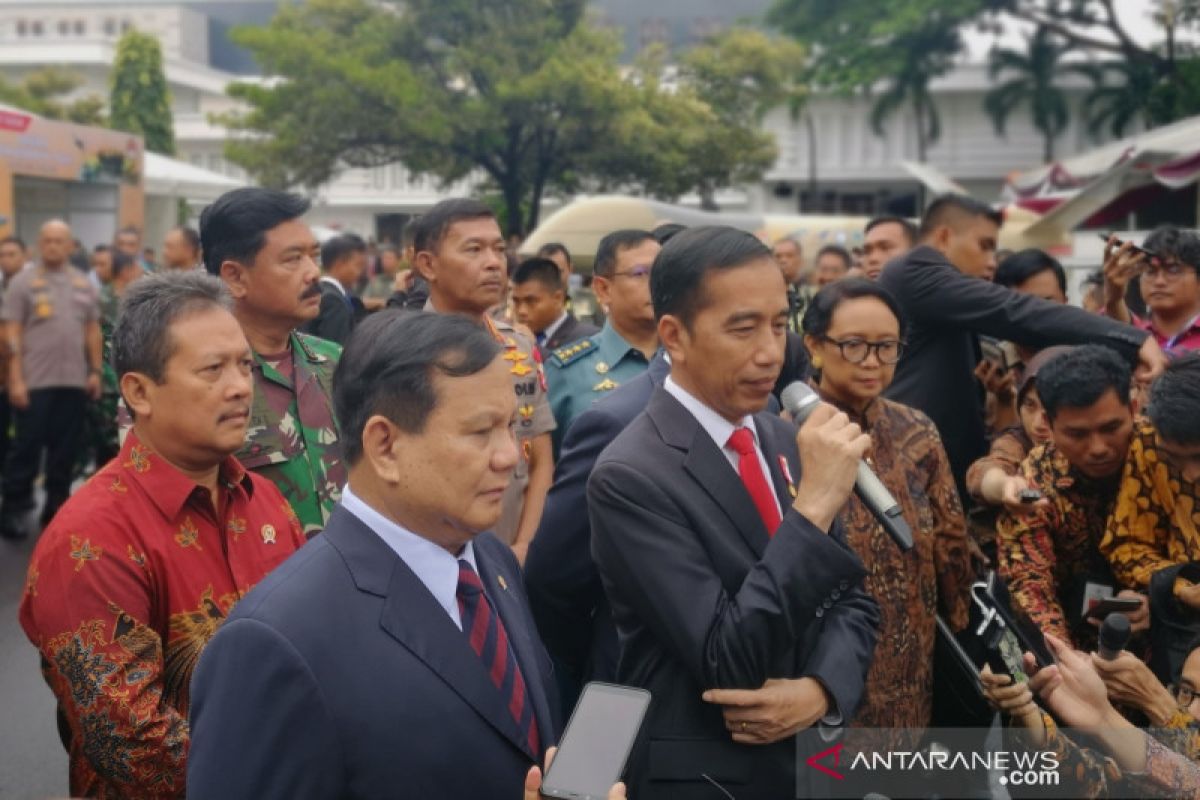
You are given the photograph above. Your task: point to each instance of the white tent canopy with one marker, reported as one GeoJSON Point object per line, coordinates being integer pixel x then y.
{"type": "Point", "coordinates": [172, 178]}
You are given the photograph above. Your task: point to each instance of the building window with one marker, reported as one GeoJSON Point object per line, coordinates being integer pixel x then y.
{"type": "Point", "coordinates": [80, 27]}
{"type": "Point", "coordinates": [64, 27]}
{"type": "Point", "coordinates": [110, 27]}
{"type": "Point", "coordinates": [35, 28]}
{"type": "Point", "coordinates": [125, 25]}
{"type": "Point", "coordinates": [22, 28]}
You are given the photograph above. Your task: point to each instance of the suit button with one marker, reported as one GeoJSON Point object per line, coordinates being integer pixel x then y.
{"type": "Point", "coordinates": [835, 594]}
{"type": "Point", "coordinates": [820, 612]}
{"type": "Point", "coordinates": [828, 603]}
{"type": "Point", "coordinates": [844, 585]}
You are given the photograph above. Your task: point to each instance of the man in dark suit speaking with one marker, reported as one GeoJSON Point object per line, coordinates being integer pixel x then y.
{"type": "Point", "coordinates": [736, 600]}
{"type": "Point", "coordinates": [395, 656]}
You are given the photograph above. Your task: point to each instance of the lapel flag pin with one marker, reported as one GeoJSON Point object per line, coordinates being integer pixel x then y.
{"type": "Point", "coordinates": [503, 583]}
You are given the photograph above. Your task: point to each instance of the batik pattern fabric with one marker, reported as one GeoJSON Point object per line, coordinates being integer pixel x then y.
{"type": "Point", "coordinates": [1049, 558]}
{"type": "Point", "coordinates": [293, 439]}
{"type": "Point", "coordinates": [910, 588]}
{"type": "Point", "coordinates": [1156, 522]}
{"type": "Point", "coordinates": [125, 587]}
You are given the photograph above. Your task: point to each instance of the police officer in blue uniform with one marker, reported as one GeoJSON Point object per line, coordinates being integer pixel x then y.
{"type": "Point", "coordinates": [581, 373]}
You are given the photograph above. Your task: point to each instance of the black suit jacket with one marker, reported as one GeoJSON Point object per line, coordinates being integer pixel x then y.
{"type": "Point", "coordinates": [339, 675]}
{"type": "Point", "coordinates": [571, 330]}
{"type": "Point", "coordinates": [703, 598]}
{"type": "Point", "coordinates": [336, 319]}
{"type": "Point", "coordinates": [944, 311]}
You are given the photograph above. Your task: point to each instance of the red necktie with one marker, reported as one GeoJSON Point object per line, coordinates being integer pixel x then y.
{"type": "Point", "coordinates": [488, 639]}
{"type": "Point", "coordinates": [750, 470]}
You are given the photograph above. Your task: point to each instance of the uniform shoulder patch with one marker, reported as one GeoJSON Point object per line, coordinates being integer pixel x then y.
{"type": "Point", "coordinates": [321, 348]}
{"type": "Point", "coordinates": [568, 354]}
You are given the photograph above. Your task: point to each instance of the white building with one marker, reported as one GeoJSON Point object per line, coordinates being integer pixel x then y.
{"type": "Point", "coordinates": [857, 171]}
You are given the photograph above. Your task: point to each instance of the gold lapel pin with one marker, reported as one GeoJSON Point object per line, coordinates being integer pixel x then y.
{"type": "Point", "coordinates": [503, 583]}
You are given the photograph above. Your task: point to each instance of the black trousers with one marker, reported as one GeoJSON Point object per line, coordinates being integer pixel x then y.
{"type": "Point", "coordinates": [5, 423]}
{"type": "Point", "coordinates": [52, 423]}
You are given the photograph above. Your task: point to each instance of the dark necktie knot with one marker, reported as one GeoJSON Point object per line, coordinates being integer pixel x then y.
{"type": "Point", "coordinates": [468, 579]}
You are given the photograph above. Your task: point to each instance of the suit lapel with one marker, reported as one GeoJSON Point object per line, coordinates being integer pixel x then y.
{"type": "Point", "coordinates": [708, 466]}
{"type": "Point", "coordinates": [773, 453]}
{"type": "Point", "coordinates": [508, 606]}
{"type": "Point", "coordinates": [413, 618]}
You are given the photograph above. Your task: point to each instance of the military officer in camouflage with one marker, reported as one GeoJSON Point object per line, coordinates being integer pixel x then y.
{"type": "Point", "coordinates": [579, 374]}
{"type": "Point", "coordinates": [255, 241]}
{"type": "Point", "coordinates": [459, 249]}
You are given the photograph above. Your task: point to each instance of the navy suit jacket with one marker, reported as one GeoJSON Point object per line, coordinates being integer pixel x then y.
{"type": "Point", "coordinates": [704, 598]}
{"type": "Point", "coordinates": [340, 676]}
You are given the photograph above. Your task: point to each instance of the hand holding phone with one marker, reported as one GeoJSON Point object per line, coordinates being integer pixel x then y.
{"type": "Point", "coordinates": [596, 742]}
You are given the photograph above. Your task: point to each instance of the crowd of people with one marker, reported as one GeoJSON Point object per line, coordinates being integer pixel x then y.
{"type": "Point", "coordinates": [363, 520]}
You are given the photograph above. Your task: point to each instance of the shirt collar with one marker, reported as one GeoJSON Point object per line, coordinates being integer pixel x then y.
{"type": "Point", "coordinates": [433, 565]}
{"type": "Point", "coordinates": [866, 420]}
{"type": "Point", "coordinates": [716, 426]}
{"type": "Point", "coordinates": [168, 488]}
{"type": "Point", "coordinates": [334, 282]}
{"type": "Point", "coordinates": [553, 327]}
{"type": "Point", "coordinates": [612, 347]}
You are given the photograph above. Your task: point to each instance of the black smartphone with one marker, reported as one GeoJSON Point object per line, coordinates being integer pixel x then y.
{"type": "Point", "coordinates": [1006, 638]}
{"type": "Point", "coordinates": [1029, 495]}
{"type": "Point", "coordinates": [597, 741]}
{"type": "Point", "coordinates": [1104, 607]}
{"type": "Point", "coordinates": [1136, 248]}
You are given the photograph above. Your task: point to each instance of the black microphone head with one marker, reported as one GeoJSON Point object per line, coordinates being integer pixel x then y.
{"type": "Point", "coordinates": [1114, 633]}
{"type": "Point", "coordinates": [799, 399]}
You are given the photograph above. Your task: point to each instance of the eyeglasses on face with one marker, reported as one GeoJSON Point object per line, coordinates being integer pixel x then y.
{"type": "Point", "coordinates": [1172, 269]}
{"type": "Point", "coordinates": [855, 351]}
{"type": "Point", "coordinates": [640, 272]}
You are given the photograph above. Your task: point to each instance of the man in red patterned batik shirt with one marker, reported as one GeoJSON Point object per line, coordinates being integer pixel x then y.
{"type": "Point", "coordinates": [141, 566]}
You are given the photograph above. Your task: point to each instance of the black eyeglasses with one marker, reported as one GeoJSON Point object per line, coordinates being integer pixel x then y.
{"type": "Point", "coordinates": [855, 351]}
{"type": "Point", "coordinates": [1184, 695]}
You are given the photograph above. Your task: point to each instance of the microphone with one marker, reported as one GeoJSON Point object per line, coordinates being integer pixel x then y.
{"type": "Point", "coordinates": [1114, 635]}
{"type": "Point", "coordinates": [800, 400]}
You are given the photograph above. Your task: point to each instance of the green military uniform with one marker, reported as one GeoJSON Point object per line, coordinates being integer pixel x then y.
{"type": "Point", "coordinates": [582, 372]}
{"type": "Point", "coordinates": [799, 298]}
{"type": "Point", "coordinates": [292, 439]}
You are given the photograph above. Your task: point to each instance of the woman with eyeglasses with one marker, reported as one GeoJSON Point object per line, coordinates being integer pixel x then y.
{"type": "Point", "coordinates": [853, 331]}
{"type": "Point", "coordinates": [1165, 268]}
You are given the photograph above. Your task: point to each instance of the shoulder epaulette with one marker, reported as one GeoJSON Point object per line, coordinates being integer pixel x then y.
{"type": "Point", "coordinates": [572, 352]}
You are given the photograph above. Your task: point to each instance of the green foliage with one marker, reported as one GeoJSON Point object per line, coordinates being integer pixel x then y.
{"type": "Point", "coordinates": [139, 101]}
{"type": "Point", "coordinates": [1035, 71]}
{"type": "Point", "coordinates": [522, 92]}
{"type": "Point", "coordinates": [42, 93]}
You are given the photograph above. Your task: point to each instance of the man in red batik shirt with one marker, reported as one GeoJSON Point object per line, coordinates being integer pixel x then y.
{"type": "Point", "coordinates": [141, 566]}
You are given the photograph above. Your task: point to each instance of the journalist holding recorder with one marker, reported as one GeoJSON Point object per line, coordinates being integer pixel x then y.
{"type": "Point", "coordinates": [737, 601]}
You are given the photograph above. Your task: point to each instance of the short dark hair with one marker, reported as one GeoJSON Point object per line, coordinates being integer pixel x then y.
{"type": "Point", "coordinates": [910, 230]}
{"type": "Point", "coordinates": [389, 364]}
{"type": "Point", "coordinates": [1175, 401]}
{"type": "Point", "coordinates": [141, 340]}
{"type": "Point", "coordinates": [611, 246]}
{"type": "Point", "coordinates": [1023, 265]}
{"type": "Point", "coordinates": [839, 251]}
{"type": "Point", "coordinates": [550, 248]}
{"type": "Point", "coordinates": [134, 229]}
{"type": "Point", "coordinates": [1080, 377]}
{"type": "Point", "coordinates": [234, 227]}
{"type": "Point", "coordinates": [121, 262]}
{"type": "Point", "coordinates": [1181, 244]}
{"type": "Point", "coordinates": [664, 233]}
{"type": "Point", "coordinates": [542, 270]}
{"type": "Point", "coordinates": [190, 235]}
{"type": "Point", "coordinates": [944, 208]}
{"type": "Point", "coordinates": [430, 228]}
{"type": "Point", "coordinates": [101, 248]}
{"type": "Point", "coordinates": [819, 315]}
{"type": "Point", "coordinates": [14, 240]}
{"type": "Point", "coordinates": [676, 281]}
{"type": "Point", "coordinates": [340, 247]}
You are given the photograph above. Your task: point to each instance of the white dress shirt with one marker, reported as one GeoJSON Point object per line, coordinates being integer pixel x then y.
{"type": "Point", "coordinates": [553, 327]}
{"type": "Point", "coordinates": [720, 429]}
{"type": "Point", "coordinates": [431, 563]}
{"type": "Point", "coordinates": [332, 281]}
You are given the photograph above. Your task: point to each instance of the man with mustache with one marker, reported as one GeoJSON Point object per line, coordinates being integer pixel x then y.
{"type": "Point", "coordinates": [139, 568]}
{"type": "Point", "coordinates": [255, 241]}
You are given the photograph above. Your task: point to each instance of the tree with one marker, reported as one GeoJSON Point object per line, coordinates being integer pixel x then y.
{"type": "Point", "coordinates": [42, 93]}
{"type": "Point", "coordinates": [925, 58]}
{"type": "Point", "coordinates": [1118, 97]}
{"type": "Point", "coordinates": [854, 45]}
{"type": "Point", "coordinates": [521, 93]}
{"type": "Point", "coordinates": [1034, 83]}
{"type": "Point", "coordinates": [139, 101]}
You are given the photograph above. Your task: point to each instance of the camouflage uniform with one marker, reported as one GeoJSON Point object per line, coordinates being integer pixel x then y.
{"type": "Point", "coordinates": [292, 439]}
{"type": "Point", "coordinates": [101, 421]}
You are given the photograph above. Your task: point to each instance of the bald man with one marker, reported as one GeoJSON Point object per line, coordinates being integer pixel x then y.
{"type": "Point", "coordinates": [52, 322]}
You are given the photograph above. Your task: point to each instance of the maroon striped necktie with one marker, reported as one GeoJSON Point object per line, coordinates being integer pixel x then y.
{"type": "Point", "coordinates": [486, 634]}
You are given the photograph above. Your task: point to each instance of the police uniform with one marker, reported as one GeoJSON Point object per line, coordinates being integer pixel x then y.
{"type": "Point", "coordinates": [533, 416]}
{"type": "Point", "coordinates": [581, 373]}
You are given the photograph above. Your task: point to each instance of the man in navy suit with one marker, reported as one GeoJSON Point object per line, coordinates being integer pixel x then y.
{"type": "Point", "coordinates": [736, 600]}
{"type": "Point", "coordinates": [395, 654]}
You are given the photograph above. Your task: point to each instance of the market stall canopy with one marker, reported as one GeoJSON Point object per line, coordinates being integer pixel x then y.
{"type": "Point", "coordinates": [1111, 178]}
{"type": "Point", "coordinates": [173, 178]}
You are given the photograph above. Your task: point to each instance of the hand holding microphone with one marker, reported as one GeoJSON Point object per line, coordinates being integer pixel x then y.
{"type": "Point", "coordinates": [831, 452]}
